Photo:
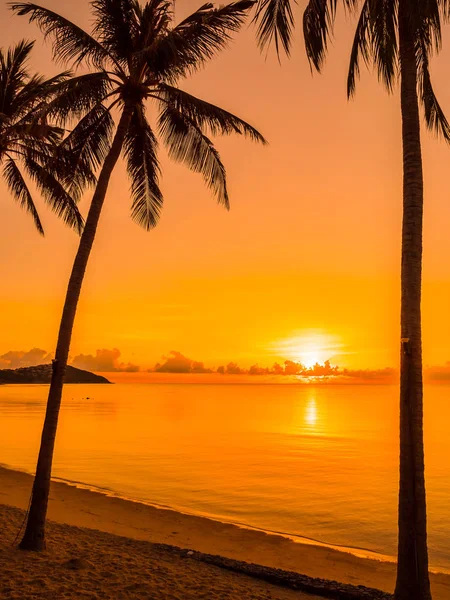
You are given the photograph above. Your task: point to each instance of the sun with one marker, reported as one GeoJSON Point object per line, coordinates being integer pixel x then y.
{"type": "Point", "coordinates": [311, 357]}
{"type": "Point", "coordinates": [310, 347]}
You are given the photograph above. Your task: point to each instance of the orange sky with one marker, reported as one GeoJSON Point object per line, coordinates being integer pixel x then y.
{"type": "Point", "coordinates": [310, 248]}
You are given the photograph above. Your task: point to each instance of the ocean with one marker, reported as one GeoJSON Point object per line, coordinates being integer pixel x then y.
{"type": "Point", "coordinates": [309, 461]}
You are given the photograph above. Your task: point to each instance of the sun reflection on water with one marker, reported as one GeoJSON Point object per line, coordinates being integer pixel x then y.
{"type": "Point", "coordinates": [311, 415]}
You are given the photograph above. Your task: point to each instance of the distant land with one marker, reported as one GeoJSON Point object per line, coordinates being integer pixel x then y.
{"type": "Point", "coordinates": [43, 374]}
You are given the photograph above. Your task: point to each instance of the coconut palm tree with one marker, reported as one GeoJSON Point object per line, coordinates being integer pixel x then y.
{"type": "Point", "coordinates": [397, 37]}
{"type": "Point", "coordinates": [27, 140]}
{"type": "Point", "coordinates": [136, 58]}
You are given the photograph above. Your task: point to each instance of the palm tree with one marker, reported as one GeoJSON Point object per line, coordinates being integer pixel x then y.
{"type": "Point", "coordinates": [398, 38]}
{"type": "Point", "coordinates": [27, 140]}
{"type": "Point", "coordinates": [137, 57]}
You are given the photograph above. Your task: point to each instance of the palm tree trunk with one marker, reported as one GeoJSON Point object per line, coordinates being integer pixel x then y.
{"type": "Point", "coordinates": [412, 570]}
{"type": "Point", "coordinates": [34, 537]}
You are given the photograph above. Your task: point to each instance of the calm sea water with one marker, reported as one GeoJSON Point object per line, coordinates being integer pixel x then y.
{"type": "Point", "coordinates": [315, 461]}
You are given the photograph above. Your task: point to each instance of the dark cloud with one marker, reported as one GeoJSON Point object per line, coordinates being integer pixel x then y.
{"type": "Point", "coordinates": [233, 369]}
{"type": "Point", "coordinates": [15, 359]}
{"type": "Point", "coordinates": [104, 361]}
{"type": "Point", "coordinates": [178, 363]}
{"type": "Point", "coordinates": [257, 370]}
{"type": "Point", "coordinates": [277, 369]}
{"type": "Point", "coordinates": [292, 368]}
{"type": "Point", "coordinates": [387, 374]}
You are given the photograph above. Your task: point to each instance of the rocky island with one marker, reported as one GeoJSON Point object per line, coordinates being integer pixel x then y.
{"type": "Point", "coordinates": [43, 374]}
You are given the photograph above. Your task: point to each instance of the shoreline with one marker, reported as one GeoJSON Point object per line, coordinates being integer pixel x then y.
{"type": "Point", "coordinates": [111, 514]}
{"type": "Point", "coordinates": [362, 553]}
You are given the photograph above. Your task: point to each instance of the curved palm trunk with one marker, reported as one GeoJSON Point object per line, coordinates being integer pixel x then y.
{"type": "Point", "coordinates": [34, 537]}
{"type": "Point", "coordinates": [412, 570]}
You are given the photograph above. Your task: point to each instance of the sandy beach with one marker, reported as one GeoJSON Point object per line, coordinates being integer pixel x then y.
{"type": "Point", "coordinates": [82, 563]}
{"type": "Point", "coordinates": [125, 567]}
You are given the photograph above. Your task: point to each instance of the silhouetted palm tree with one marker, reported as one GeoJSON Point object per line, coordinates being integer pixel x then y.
{"type": "Point", "coordinates": [136, 57]}
{"type": "Point", "coordinates": [398, 37]}
{"type": "Point", "coordinates": [27, 140]}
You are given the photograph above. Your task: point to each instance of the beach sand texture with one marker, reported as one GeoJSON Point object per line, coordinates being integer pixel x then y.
{"type": "Point", "coordinates": [82, 563]}
{"type": "Point", "coordinates": [123, 567]}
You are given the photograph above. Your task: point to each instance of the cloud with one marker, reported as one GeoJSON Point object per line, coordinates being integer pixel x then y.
{"type": "Point", "coordinates": [104, 361]}
{"type": "Point", "coordinates": [387, 374]}
{"type": "Point", "coordinates": [108, 361]}
{"type": "Point", "coordinates": [233, 369]}
{"type": "Point", "coordinates": [178, 363]}
{"type": "Point", "coordinates": [438, 373]}
{"type": "Point", "coordinates": [257, 370]}
{"type": "Point", "coordinates": [323, 372]}
{"type": "Point", "coordinates": [15, 359]}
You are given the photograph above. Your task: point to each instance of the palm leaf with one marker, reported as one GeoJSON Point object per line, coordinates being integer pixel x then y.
{"type": "Point", "coordinates": [37, 135]}
{"type": "Point", "coordinates": [35, 94]}
{"type": "Point", "coordinates": [204, 114]}
{"type": "Point", "coordinates": [54, 194]}
{"type": "Point", "coordinates": [91, 138]}
{"type": "Point", "coordinates": [361, 46]}
{"type": "Point", "coordinates": [20, 191]}
{"type": "Point", "coordinates": [197, 39]}
{"type": "Point", "coordinates": [384, 40]}
{"type": "Point", "coordinates": [70, 42]}
{"type": "Point", "coordinates": [155, 19]}
{"type": "Point", "coordinates": [85, 149]}
{"type": "Point", "coordinates": [77, 96]}
{"type": "Point", "coordinates": [143, 169]}
{"type": "Point", "coordinates": [188, 144]}
{"type": "Point", "coordinates": [318, 22]}
{"type": "Point", "coordinates": [276, 24]}
{"type": "Point", "coordinates": [13, 74]}
{"type": "Point", "coordinates": [426, 25]}
{"type": "Point", "coordinates": [116, 27]}
{"type": "Point", "coordinates": [434, 115]}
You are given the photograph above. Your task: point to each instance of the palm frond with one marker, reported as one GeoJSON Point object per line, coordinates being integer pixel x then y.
{"type": "Point", "coordinates": [318, 23]}
{"type": "Point", "coordinates": [196, 40]}
{"type": "Point", "coordinates": [204, 114]}
{"type": "Point", "coordinates": [85, 149]}
{"type": "Point", "coordinates": [426, 22]}
{"type": "Point", "coordinates": [361, 46]}
{"type": "Point", "coordinates": [35, 94]}
{"type": "Point", "coordinates": [54, 194]}
{"type": "Point", "coordinates": [376, 40]}
{"type": "Point", "coordinates": [384, 40]}
{"type": "Point", "coordinates": [188, 144]}
{"type": "Point", "coordinates": [116, 26]}
{"type": "Point", "coordinates": [155, 19]}
{"type": "Point", "coordinates": [444, 7]}
{"type": "Point", "coordinates": [434, 115]}
{"type": "Point", "coordinates": [275, 24]}
{"type": "Point", "coordinates": [20, 191]}
{"type": "Point", "coordinates": [77, 96]}
{"type": "Point", "coordinates": [13, 74]}
{"type": "Point", "coordinates": [14, 62]}
{"type": "Point", "coordinates": [144, 171]}
{"type": "Point", "coordinates": [41, 136]}
{"type": "Point", "coordinates": [71, 44]}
